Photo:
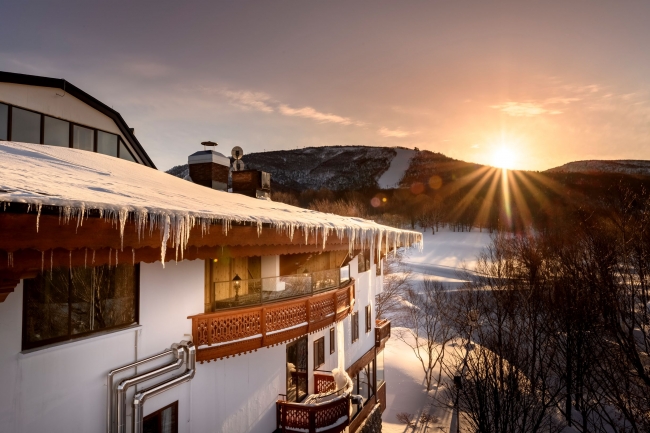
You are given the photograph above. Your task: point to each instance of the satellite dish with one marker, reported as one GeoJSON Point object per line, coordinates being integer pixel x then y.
{"type": "Point", "coordinates": [238, 165]}
{"type": "Point", "coordinates": [237, 152]}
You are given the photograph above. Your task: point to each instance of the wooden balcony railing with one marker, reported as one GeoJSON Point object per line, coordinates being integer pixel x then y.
{"type": "Point", "coordinates": [382, 332]}
{"type": "Point", "coordinates": [323, 382]}
{"type": "Point", "coordinates": [329, 417]}
{"type": "Point", "coordinates": [227, 333]}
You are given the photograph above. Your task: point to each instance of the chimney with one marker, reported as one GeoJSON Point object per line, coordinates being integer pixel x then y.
{"type": "Point", "coordinates": [209, 168]}
{"type": "Point", "coordinates": [253, 183]}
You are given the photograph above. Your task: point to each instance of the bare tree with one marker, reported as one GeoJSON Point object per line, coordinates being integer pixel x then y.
{"type": "Point", "coordinates": [423, 326]}
{"type": "Point", "coordinates": [397, 279]}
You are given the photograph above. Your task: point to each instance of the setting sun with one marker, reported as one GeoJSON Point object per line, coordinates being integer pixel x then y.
{"type": "Point", "coordinates": [504, 157]}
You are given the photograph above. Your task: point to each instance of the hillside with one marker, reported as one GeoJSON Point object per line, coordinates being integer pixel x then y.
{"type": "Point", "coordinates": [350, 168]}
{"type": "Point", "coordinates": [623, 166]}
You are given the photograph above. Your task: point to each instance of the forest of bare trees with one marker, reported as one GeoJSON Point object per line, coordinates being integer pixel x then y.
{"type": "Point", "coordinates": [553, 329]}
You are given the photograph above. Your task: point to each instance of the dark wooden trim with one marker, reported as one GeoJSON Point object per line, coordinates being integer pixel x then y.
{"type": "Point", "coordinates": [319, 362]}
{"type": "Point", "coordinates": [356, 367]}
{"type": "Point", "coordinates": [332, 340]}
{"type": "Point", "coordinates": [363, 414]}
{"type": "Point", "coordinates": [381, 396]}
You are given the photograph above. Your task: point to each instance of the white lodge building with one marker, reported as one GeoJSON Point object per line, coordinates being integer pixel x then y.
{"type": "Point", "coordinates": [132, 300]}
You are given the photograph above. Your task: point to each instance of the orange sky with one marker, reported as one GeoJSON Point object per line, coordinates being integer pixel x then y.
{"type": "Point", "coordinates": [551, 82]}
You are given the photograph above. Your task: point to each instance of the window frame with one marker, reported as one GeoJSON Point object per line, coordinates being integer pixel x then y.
{"type": "Point", "coordinates": [332, 340]}
{"type": "Point", "coordinates": [71, 125]}
{"type": "Point", "coordinates": [319, 352]}
{"type": "Point", "coordinates": [69, 337]}
{"type": "Point", "coordinates": [159, 412]}
{"type": "Point", "coordinates": [368, 318]}
{"type": "Point", "coordinates": [355, 326]}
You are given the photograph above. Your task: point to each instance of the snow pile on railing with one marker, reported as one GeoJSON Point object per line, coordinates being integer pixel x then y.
{"type": "Point", "coordinates": [78, 181]}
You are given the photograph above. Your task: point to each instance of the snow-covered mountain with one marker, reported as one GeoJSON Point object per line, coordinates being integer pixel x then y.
{"type": "Point", "coordinates": [341, 168]}
{"type": "Point", "coordinates": [622, 166]}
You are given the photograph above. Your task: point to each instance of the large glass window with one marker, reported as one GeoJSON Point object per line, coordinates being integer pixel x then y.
{"type": "Point", "coordinates": [63, 304]}
{"type": "Point", "coordinates": [106, 143]}
{"type": "Point", "coordinates": [4, 122]}
{"type": "Point", "coordinates": [25, 126]}
{"type": "Point", "coordinates": [297, 370]}
{"type": "Point", "coordinates": [83, 138]}
{"type": "Point", "coordinates": [125, 153]}
{"type": "Point", "coordinates": [380, 368]}
{"type": "Point", "coordinates": [56, 132]}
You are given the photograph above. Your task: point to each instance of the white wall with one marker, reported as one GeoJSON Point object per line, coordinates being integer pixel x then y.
{"type": "Point", "coordinates": [46, 101]}
{"type": "Point", "coordinates": [63, 388]}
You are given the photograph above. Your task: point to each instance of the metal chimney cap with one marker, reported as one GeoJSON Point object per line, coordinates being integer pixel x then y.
{"type": "Point", "coordinates": [209, 143]}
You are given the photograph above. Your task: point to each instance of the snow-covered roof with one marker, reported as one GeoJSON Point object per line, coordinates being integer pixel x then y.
{"type": "Point", "coordinates": [77, 181]}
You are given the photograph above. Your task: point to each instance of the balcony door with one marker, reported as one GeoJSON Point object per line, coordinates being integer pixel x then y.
{"type": "Point", "coordinates": [297, 356]}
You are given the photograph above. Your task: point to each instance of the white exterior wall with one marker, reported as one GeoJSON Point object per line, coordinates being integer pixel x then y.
{"type": "Point", "coordinates": [63, 388]}
{"type": "Point", "coordinates": [46, 101]}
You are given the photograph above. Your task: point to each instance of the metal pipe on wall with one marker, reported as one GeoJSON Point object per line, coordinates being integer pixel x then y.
{"type": "Point", "coordinates": [141, 397]}
{"type": "Point", "coordinates": [180, 352]}
{"type": "Point", "coordinates": [110, 420]}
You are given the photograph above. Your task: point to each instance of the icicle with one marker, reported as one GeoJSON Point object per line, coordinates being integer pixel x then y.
{"type": "Point", "coordinates": [133, 250]}
{"type": "Point", "coordinates": [93, 262]}
{"type": "Point", "coordinates": [42, 260]}
{"type": "Point", "coordinates": [38, 215]}
{"type": "Point", "coordinates": [70, 260]}
{"type": "Point", "coordinates": [116, 257]}
{"type": "Point", "coordinates": [51, 259]}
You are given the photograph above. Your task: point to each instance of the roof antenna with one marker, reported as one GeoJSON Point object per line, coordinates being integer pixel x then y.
{"type": "Point", "coordinates": [63, 90]}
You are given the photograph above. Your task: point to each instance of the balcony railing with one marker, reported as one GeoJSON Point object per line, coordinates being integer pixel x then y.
{"type": "Point", "coordinates": [332, 416]}
{"type": "Point", "coordinates": [230, 332]}
{"type": "Point", "coordinates": [258, 291]}
{"type": "Point", "coordinates": [382, 331]}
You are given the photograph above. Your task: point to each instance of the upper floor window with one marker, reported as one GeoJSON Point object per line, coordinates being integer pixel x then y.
{"type": "Point", "coordinates": [65, 304]}
{"type": "Point", "coordinates": [18, 124]}
{"type": "Point", "coordinates": [332, 341]}
{"type": "Point", "coordinates": [355, 326]}
{"type": "Point", "coordinates": [319, 352]}
{"type": "Point", "coordinates": [368, 318]}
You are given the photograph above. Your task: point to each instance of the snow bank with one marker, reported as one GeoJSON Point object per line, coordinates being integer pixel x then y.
{"type": "Point", "coordinates": [77, 181]}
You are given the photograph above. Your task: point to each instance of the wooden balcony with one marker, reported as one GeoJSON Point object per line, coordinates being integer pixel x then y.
{"type": "Point", "coordinates": [226, 333]}
{"type": "Point", "coordinates": [329, 417]}
{"type": "Point", "coordinates": [382, 332]}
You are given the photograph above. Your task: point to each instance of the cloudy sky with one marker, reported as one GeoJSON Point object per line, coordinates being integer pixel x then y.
{"type": "Point", "coordinates": [551, 81]}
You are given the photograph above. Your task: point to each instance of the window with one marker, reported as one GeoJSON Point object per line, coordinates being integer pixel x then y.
{"type": "Point", "coordinates": [355, 326]}
{"type": "Point", "coordinates": [25, 126]}
{"type": "Point", "coordinates": [4, 122]}
{"type": "Point", "coordinates": [125, 153]}
{"type": "Point", "coordinates": [56, 132]}
{"type": "Point", "coordinates": [368, 318]}
{"type": "Point", "coordinates": [332, 341]}
{"type": "Point", "coordinates": [106, 143]}
{"type": "Point", "coordinates": [297, 379]}
{"type": "Point", "coordinates": [380, 368]}
{"type": "Point", "coordinates": [83, 138]}
{"type": "Point", "coordinates": [364, 386]}
{"type": "Point", "coordinates": [319, 352]}
{"type": "Point", "coordinates": [64, 304]}
{"type": "Point", "coordinates": [164, 420]}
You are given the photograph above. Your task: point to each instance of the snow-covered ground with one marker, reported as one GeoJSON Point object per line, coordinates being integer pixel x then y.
{"type": "Point", "coordinates": [443, 258]}
{"type": "Point", "coordinates": [400, 163]}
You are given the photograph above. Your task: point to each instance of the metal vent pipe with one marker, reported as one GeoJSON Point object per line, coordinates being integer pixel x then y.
{"type": "Point", "coordinates": [110, 420]}
{"type": "Point", "coordinates": [141, 397]}
{"type": "Point", "coordinates": [180, 352]}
